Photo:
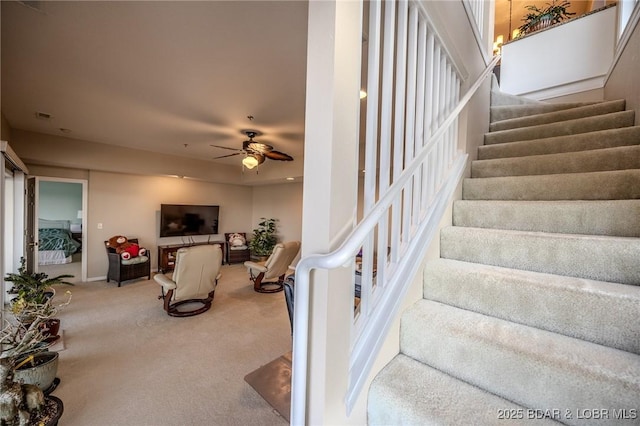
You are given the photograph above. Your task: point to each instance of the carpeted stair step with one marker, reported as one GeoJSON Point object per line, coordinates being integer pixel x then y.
{"type": "Point", "coordinates": [595, 311]}
{"type": "Point", "coordinates": [531, 367]}
{"type": "Point", "coordinates": [601, 258]}
{"type": "Point", "coordinates": [578, 125]}
{"type": "Point", "coordinates": [610, 138]}
{"type": "Point", "coordinates": [619, 218]}
{"type": "Point", "coordinates": [407, 392]}
{"type": "Point", "coordinates": [610, 185]}
{"type": "Point", "coordinates": [595, 160]}
{"type": "Point", "coordinates": [562, 115]}
{"type": "Point", "coordinates": [499, 98]}
{"type": "Point", "coordinates": [507, 112]}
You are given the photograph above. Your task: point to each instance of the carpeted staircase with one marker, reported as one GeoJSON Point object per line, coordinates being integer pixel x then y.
{"type": "Point", "coordinates": [532, 313]}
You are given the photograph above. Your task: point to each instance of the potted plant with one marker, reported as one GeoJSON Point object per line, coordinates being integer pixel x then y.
{"type": "Point", "coordinates": [38, 367]}
{"type": "Point", "coordinates": [264, 239]}
{"type": "Point", "coordinates": [34, 289]}
{"type": "Point", "coordinates": [538, 19]}
{"type": "Point", "coordinates": [25, 403]}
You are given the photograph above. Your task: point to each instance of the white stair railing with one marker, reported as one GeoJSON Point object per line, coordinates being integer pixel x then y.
{"type": "Point", "coordinates": [412, 167]}
{"type": "Point", "coordinates": [477, 8]}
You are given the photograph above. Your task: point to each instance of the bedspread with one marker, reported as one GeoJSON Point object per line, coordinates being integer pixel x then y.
{"type": "Point", "coordinates": [57, 239]}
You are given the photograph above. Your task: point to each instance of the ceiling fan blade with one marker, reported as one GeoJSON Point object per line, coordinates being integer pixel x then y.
{"type": "Point", "coordinates": [277, 155]}
{"type": "Point", "coordinates": [224, 147]}
{"type": "Point", "coordinates": [228, 155]}
{"type": "Point", "coordinates": [259, 147]}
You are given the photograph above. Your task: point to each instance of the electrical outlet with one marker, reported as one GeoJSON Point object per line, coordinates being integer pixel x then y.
{"type": "Point", "coordinates": [100, 226]}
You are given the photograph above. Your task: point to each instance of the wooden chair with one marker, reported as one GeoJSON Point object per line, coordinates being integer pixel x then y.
{"type": "Point", "coordinates": [267, 276]}
{"type": "Point", "coordinates": [124, 270]}
{"type": "Point", "coordinates": [193, 281]}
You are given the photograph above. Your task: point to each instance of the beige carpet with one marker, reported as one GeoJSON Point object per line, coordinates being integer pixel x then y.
{"type": "Point", "coordinates": [74, 268]}
{"type": "Point", "coordinates": [125, 362]}
{"type": "Point", "coordinates": [532, 307]}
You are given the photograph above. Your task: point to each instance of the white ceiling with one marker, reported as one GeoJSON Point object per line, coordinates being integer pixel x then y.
{"type": "Point", "coordinates": [171, 77]}
{"type": "Point", "coordinates": [168, 76]}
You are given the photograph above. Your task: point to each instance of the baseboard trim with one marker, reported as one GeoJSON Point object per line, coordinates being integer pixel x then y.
{"type": "Point", "coordinates": [567, 89]}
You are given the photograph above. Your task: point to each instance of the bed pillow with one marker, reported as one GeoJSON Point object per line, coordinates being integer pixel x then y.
{"type": "Point", "coordinates": [54, 224]}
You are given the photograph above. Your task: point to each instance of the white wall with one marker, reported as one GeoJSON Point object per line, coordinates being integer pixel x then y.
{"type": "Point", "coordinates": [623, 82]}
{"type": "Point", "coordinates": [542, 65]}
{"type": "Point", "coordinates": [60, 201]}
{"type": "Point", "coordinates": [129, 205]}
{"type": "Point", "coordinates": [282, 202]}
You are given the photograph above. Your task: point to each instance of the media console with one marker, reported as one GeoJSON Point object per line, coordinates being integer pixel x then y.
{"type": "Point", "coordinates": [167, 254]}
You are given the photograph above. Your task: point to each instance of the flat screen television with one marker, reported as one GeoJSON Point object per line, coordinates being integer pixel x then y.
{"type": "Point", "coordinates": [177, 220]}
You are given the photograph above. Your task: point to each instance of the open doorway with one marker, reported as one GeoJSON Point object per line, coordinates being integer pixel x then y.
{"type": "Point", "coordinates": [60, 211]}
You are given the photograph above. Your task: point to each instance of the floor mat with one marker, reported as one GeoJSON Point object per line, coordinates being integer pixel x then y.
{"type": "Point", "coordinates": [273, 382]}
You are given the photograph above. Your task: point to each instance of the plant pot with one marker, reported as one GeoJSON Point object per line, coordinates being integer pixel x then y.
{"type": "Point", "coordinates": [49, 414]}
{"type": "Point", "coordinates": [258, 257]}
{"type": "Point", "coordinates": [50, 329]}
{"type": "Point", "coordinates": [543, 22]}
{"type": "Point", "coordinates": [41, 371]}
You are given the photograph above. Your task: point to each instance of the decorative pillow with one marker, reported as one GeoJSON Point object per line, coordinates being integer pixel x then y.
{"type": "Point", "coordinates": [134, 260]}
{"type": "Point", "coordinates": [237, 242]}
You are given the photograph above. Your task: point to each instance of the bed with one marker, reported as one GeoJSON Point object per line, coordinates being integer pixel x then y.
{"type": "Point", "coordinates": [55, 243]}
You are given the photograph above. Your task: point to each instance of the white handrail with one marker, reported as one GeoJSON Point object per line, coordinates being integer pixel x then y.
{"type": "Point", "coordinates": [346, 252]}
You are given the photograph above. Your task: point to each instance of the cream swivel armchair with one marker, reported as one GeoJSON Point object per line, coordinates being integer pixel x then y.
{"type": "Point", "coordinates": [194, 280]}
{"type": "Point", "coordinates": [267, 276]}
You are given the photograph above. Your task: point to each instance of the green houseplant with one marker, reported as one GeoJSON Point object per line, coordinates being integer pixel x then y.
{"type": "Point", "coordinates": [538, 19]}
{"type": "Point", "coordinates": [33, 290]}
{"type": "Point", "coordinates": [264, 238]}
{"type": "Point", "coordinates": [33, 287]}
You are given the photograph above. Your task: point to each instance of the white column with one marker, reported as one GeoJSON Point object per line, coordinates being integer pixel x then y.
{"type": "Point", "coordinates": [330, 194]}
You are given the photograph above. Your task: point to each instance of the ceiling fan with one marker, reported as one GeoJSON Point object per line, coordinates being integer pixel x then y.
{"type": "Point", "coordinates": [254, 152]}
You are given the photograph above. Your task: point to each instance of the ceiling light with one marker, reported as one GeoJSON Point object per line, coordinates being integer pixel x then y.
{"type": "Point", "coordinates": [290, 178]}
{"type": "Point", "coordinates": [497, 45]}
{"type": "Point", "coordinates": [250, 161]}
{"type": "Point", "coordinates": [363, 94]}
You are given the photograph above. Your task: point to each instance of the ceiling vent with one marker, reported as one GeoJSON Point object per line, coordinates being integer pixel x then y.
{"type": "Point", "coordinates": [43, 115]}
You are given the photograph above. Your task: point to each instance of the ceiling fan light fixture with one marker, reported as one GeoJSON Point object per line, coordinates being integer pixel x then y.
{"type": "Point", "coordinates": [250, 161]}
